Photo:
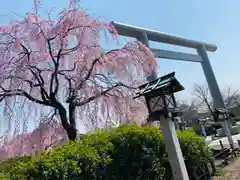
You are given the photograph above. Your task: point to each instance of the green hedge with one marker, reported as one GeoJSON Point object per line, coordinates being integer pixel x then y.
{"type": "Point", "coordinates": [124, 153]}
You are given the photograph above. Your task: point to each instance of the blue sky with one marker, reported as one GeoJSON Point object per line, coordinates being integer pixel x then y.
{"type": "Point", "coordinates": [215, 21]}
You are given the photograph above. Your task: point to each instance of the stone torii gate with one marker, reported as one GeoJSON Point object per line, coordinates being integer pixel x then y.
{"type": "Point", "coordinates": [146, 35]}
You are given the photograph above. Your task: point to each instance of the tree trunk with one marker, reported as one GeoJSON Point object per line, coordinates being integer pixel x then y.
{"type": "Point", "coordinates": [69, 126]}
{"type": "Point", "coordinates": [72, 135]}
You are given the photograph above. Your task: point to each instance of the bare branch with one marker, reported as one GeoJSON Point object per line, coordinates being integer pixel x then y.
{"type": "Point", "coordinates": [202, 93]}
{"type": "Point", "coordinates": [18, 92]}
{"type": "Point", "coordinates": [54, 77]}
{"type": "Point", "coordinates": [89, 73]}
{"type": "Point", "coordinates": [36, 72]}
{"type": "Point", "coordinates": [231, 97]}
{"type": "Point", "coordinates": [50, 51]}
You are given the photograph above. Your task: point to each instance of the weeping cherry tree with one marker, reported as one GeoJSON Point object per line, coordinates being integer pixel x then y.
{"type": "Point", "coordinates": [59, 64]}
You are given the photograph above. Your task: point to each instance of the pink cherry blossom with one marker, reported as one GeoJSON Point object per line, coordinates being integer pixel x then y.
{"type": "Point", "coordinates": [48, 133]}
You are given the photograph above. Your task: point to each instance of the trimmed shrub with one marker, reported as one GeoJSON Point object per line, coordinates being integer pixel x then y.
{"type": "Point", "coordinates": [8, 167]}
{"type": "Point", "coordinates": [128, 152]}
{"type": "Point", "coordinates": [9, 164]}
{"type": "Point", "coordinates": [196, 127]}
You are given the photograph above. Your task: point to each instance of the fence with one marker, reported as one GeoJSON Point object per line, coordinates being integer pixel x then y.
{"type": "Point", "coordinates": [206, 170]}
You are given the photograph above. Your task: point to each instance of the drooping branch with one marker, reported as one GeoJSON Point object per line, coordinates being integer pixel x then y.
{"type": "Point", "coordinates": [93, 64]}
{"type": "Point", "coordinates": [68, 70]}
{"type": "Point", "coordinates": [78, 102]}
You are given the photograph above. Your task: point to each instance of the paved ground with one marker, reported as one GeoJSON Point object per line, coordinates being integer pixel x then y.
{"type": "Point", "coordinates": [216, 145]}
{"type": "Point", "coordinates": [231, 172]}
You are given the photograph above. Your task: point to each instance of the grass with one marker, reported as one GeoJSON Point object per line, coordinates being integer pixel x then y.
{"type": "Point", "coordinates": [219, 172]}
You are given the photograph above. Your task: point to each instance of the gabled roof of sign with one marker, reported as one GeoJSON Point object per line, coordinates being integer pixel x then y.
{"type": "Point", "coordinates": [164, 82]}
